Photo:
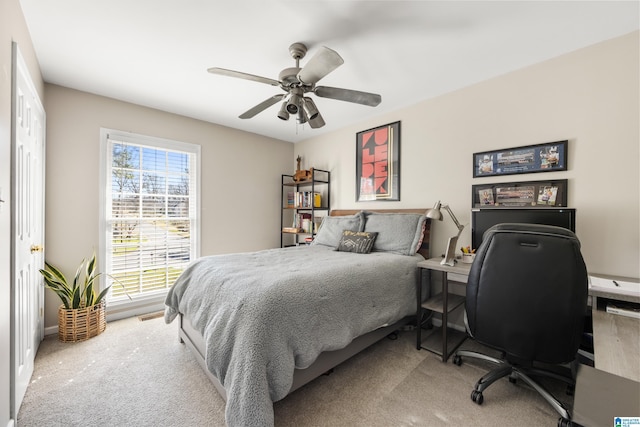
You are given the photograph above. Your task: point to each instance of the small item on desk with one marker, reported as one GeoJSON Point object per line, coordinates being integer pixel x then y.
{"type": "Point", "coordinates": [616, 283]}
{"type": "Point", "coordinates": [624, 309]}
{"type": "Point", "coordinates": [468, 254]}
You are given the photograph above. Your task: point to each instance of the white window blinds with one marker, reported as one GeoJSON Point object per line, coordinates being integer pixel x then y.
{"type": "Point", "coordinates": [150, 212]}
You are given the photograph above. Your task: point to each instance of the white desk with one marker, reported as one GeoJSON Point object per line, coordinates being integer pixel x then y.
{"type": "Point", "coordinates": [616, 338]}
{"type": "Point", "coordinates": [616, 344]}
{"type": "Point", "coordinates": [612, 389]}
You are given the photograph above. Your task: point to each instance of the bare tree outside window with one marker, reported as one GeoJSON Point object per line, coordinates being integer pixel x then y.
{"type": "Point", "coordinates": [151, 216]}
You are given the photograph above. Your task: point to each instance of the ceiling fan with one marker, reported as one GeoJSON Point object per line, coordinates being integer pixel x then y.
{"type": "Point", "coordinates": [297, 82]}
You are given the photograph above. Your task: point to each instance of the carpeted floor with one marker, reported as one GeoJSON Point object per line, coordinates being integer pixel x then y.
{"type": "Point", "coordinates": [137, 374]}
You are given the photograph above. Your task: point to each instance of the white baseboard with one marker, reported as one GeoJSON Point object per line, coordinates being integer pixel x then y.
{"type": "Point", "coordinates": [131, 311]}
{"type": "Point", "coordinates": [51, 330]}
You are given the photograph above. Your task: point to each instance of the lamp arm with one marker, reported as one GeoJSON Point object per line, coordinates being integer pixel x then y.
{"type": "Point", "coordinates": [453, 217]}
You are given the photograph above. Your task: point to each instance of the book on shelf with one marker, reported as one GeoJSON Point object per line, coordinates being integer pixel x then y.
{"type": "Point", "coordinates": [302, 222]}
{"type": "Point", "coordinates": [305, 199]}
{"type": "Point", "coordinates": [290, 230]}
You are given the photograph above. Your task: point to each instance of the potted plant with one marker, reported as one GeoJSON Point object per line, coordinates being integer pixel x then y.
{"type": "Point", "coordinates": [82, 313]}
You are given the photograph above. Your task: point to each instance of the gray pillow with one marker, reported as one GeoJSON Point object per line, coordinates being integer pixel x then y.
{"type": "Point", "coordinates": [360, 242]}
{"type": "Point", "coordinates": [399, 233]}
{"type": "Point", "coordinates": [331, 228]}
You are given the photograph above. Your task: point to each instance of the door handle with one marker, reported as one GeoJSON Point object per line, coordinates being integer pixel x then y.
{"type": "Point", "coordinates": [36, 248]}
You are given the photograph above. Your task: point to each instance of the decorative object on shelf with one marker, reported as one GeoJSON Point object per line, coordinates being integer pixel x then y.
{"type": "Point", "coordinates": [548, 157]}
{"type": "Point", "coordinates": [435, 213]}
{"type": "Point", "coordinates": [82, 313]}
{"type": "Point", "coordinates": [378, 163]}
{"type": "Point", "coordinates": [302, 175]}
{"type": "Point", "coordinates": [537, 194]}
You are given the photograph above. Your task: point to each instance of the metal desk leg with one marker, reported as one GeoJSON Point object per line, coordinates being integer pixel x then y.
{"type": "Point", "coordinates": [419, 310]}
{"type": "Point", "coordinates": [445, 297]}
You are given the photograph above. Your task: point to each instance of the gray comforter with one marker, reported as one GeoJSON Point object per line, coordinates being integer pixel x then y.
{"type": "Point", "coordinates": [264, 313]}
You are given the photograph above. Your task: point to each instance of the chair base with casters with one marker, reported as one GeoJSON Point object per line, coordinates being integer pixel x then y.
{"type": "Point", "coordinates": [514, 372]}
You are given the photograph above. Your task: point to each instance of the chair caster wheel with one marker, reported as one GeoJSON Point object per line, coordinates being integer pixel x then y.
{"type": "Point", "coordinates": [457, 360]}
{"type": "Point", "coordinates": [563, 422]}
{"type": "Point", "coordinates": [477, 397]}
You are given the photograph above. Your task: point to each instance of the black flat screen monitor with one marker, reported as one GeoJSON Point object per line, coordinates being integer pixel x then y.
{"type": "Point", "coordinates": [484, 219]}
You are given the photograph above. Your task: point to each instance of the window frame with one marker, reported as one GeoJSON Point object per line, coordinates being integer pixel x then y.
{"type": "Point", "coordinates": [154, 299]}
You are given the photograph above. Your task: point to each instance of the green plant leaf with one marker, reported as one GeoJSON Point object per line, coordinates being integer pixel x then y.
{"type": "Point", "coordinates": [56, 281]}
{"type": "Point", "coordinates": [75, 301]}
{"type": "Point", "coordinates": [76, 278]}
{"type": "Point", "coordinates": [91, 268]}
{"type": "Point", "coordinates": [102, 295]}
{"type": "Point", "coordinates": [78, 293]}
{"type": "Point", "coordinates": [54, 271]}
{"type": "Point", "coordinates": [89, 295]}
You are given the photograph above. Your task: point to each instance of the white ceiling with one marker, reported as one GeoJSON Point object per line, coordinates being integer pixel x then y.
{"type": "Point", "coordinates": [156, 52]}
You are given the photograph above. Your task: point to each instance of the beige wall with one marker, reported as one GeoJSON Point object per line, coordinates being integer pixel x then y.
{"type": "Point", "coordinates": [240, 177]}
{"type": "Point", "coordinates": [12, 28]}
{"type": "Point", "coordinates": [589, 97]}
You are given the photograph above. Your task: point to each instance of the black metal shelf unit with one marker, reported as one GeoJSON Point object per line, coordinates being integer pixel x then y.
{"type": "Point", "coordinates": [320, 182]}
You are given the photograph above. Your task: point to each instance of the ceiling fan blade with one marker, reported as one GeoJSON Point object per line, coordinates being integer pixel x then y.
{"type": "Point", "coordinates": [241, 75]}
{"type": "Point", "coordinates": [348, 95]}
{"type": "Point", "coordinates": [261, 107]}
{"type": "Point", "coordinates": [316, 122]}
{"type": "Point", "coordinates": [320, 64]}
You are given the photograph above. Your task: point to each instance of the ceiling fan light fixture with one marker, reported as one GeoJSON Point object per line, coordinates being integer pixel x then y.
{"type": "Point", "coordinates": [302, 116]}
{"type": "Point", "coordinates": [283, 114]}
{"type": "Point", "coordinates": [294, 103]}
{"type": "Point", "coordinates": [310, 108]}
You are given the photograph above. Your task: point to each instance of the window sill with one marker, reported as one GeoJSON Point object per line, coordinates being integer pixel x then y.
{"type": "Point", "coordinates": [126, 308]}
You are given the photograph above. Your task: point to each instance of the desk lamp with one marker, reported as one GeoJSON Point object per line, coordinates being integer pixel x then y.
{"type": "Point", "coordinates": [436, 213]}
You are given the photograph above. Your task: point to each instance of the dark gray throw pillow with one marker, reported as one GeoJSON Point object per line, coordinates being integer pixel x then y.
{"type": "Point", "coordinates": [360, 242]}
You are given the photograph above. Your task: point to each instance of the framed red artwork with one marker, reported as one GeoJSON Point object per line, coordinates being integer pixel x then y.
{"type": "Point", "coordinates": [378, 163]}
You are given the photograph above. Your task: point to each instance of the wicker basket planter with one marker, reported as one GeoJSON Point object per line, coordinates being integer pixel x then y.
{"type": "Point", "coordinates": [80, 324]}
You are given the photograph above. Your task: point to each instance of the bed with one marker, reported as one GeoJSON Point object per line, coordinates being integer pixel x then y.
{"type": "Point", "coordinates": [262, 324]}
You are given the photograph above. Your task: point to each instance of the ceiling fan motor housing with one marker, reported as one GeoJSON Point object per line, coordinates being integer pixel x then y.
{"type": "Point", "coordinates": [289, 77]}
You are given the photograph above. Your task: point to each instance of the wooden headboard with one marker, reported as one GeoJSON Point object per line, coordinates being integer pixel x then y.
{"type": "Point", "coordinates": [426, 237]}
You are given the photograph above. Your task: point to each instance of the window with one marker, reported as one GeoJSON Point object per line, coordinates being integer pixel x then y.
{"type": "Point", "coordinates": [150, 211]}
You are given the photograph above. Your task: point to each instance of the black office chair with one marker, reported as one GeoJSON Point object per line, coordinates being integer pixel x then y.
{"type": "Point", "coordinates": [527, 297]}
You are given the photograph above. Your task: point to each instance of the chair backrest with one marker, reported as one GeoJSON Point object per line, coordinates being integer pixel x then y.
{"type": "Point", "coordinates": [527, 292]}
